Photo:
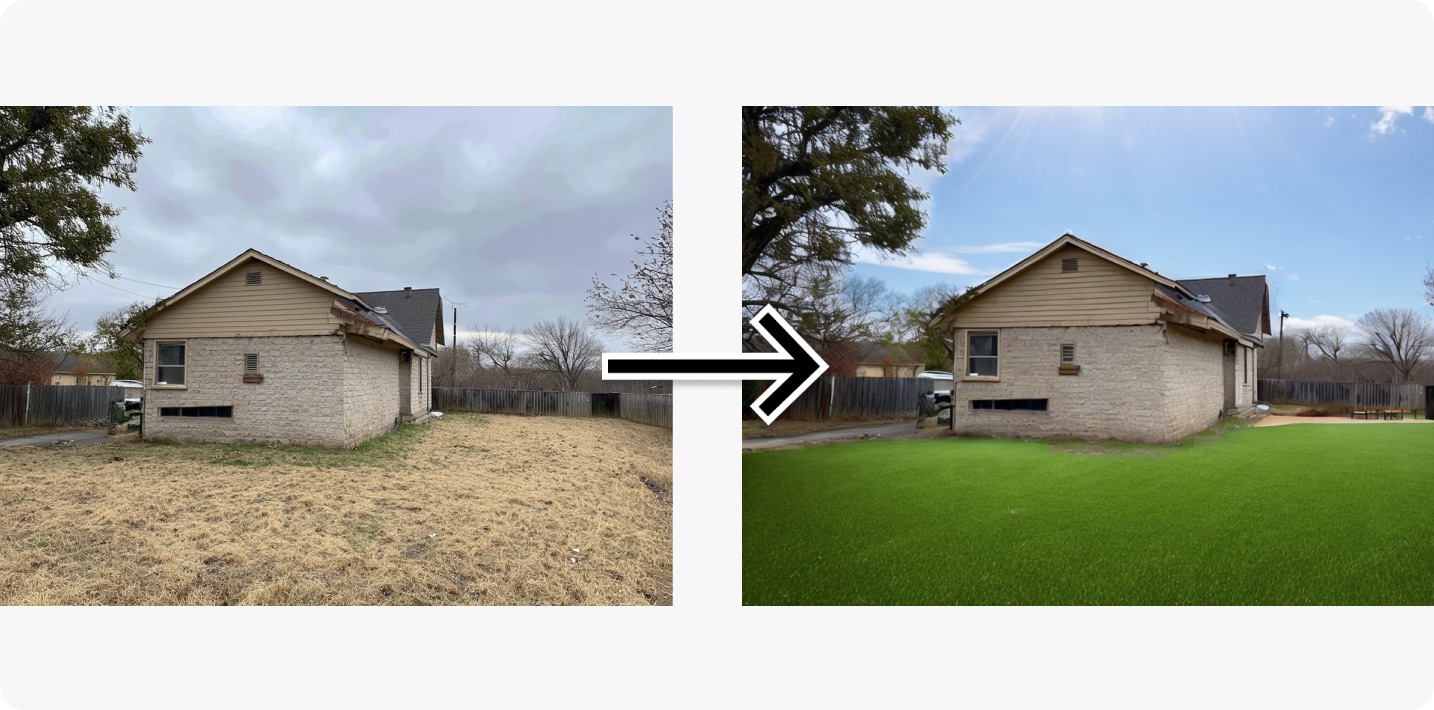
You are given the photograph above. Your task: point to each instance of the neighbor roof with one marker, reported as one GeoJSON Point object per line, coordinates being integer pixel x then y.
{"type": "Point", "coordinates": [416, 312]}
{"type": "Point", "coordinates": [876, 353]}
{"type": "Point", "coordinates": [1242, 301]}
{"type": "Point", "coordinates": [95, 364]}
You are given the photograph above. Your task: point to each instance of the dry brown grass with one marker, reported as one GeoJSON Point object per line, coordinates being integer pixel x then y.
{"type": "Point", "coordinates": [475, 509]}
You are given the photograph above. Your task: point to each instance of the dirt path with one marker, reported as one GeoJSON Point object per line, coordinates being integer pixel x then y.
{"type": "Point", "coordinates": [75, 437]}
{"type": "Point", "coordinates": [474, 509]}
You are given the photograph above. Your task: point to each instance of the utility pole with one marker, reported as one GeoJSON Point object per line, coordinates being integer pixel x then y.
{"type": "Point", "coordinates": [454, 345]}
{"type": "Point", "coordinates": [1283, 316]}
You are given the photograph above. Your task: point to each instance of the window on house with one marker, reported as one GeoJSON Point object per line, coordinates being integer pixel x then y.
{"type": "Point", "coordinates": [253, 278]}
{"type": "Point", "coordinates": [169, 364]}
{"type": "Point", "coordinates": [226, 412]}
{"type": "Point", "coordinates": [251, 364]}
{"type": "Point", "coordinates": [1068, 354]}
{"type": "Point", "coordinates": [1069, 265]}
{"type": "Point", "coordinates": [981, 350]}
{"type": "Point", "coordinates": [1011, 405]}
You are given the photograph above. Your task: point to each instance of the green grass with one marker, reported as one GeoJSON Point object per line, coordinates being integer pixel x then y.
{"type": "Point", "coordinates": [1306, 514]}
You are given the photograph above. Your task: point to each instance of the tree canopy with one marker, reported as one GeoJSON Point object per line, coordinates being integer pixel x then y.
{"type": "Point", "coordinates": [127, 355]}
{"type": "Point", "coordinates": [819, 182]}
{"type": "Point", "coordinates": [641, 309]}
{"type": "Point", "coordinates": [54, 160]}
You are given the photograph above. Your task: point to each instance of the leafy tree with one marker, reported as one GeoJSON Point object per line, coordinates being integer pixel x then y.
{"type": "Point", "coordinates": [642, 307]}
{"type": "Point", "coordinates": [53, 162]}
{"type": "Point", "coordinates": [821, 181]}
{"type": "Point", "coordinates": [127, 355]}
{"type": "Point", "coordinates": [1401, 337]}
{"type": "Point", "coordinates": [564, 349]}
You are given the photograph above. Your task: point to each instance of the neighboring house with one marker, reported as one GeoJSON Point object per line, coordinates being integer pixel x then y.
{"type": "Point", "coordinates": [82, 369]}
{"type": "Point", "coordinates": [260, 351]}
{"type": "Point", "coordinates": [879, 360]}
{"type": "Point", "coordinates": [1076, 342]}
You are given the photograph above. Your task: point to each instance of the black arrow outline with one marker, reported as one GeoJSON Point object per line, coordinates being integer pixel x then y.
{"type": "Point", "coordinates": [795, 365]}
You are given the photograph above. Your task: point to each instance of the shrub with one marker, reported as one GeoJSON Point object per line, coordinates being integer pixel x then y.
{"type": "Point", "coordinates": [1310, 413]}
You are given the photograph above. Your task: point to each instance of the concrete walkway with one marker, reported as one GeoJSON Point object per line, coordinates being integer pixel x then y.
{"type": "Point", "coordinates": [79, 437]}
{"type": "Point", "coordinates": [1281, 420]}
{"type": "Point", "coordinates": [900, 430]}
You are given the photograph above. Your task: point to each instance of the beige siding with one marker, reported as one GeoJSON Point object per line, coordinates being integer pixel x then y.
{"type": "Point", "coordinates": [227, 307]}
{"type": "Point", "coordinates": [1099, 293]}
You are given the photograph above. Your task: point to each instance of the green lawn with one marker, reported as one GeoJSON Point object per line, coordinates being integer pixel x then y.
{"type": "Point", "coordinates": [1303, 514]}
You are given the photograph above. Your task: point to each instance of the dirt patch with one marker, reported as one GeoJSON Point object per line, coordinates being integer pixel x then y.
{"type": "Point", "coordinates": [471, 510]}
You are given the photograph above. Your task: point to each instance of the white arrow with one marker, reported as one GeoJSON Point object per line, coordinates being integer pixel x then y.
{"type": "Point", "coordinates": [795, 366]}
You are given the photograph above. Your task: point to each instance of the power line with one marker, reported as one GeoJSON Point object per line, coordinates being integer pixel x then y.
{"type": "Point", "coordinates": [126, 278]}
{"type": "Point", "coordinates": [117, 288]}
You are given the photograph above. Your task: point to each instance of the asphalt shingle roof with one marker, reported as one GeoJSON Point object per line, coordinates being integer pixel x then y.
{"type": "Point", "coordinates": [413, 312]}
{"type": "Point", "coordinates": [1239, 301]}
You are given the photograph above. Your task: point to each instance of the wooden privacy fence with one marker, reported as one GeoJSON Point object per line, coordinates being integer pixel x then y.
{"type": "Point", "coordinates": [1367, 394]}
{"type": "Point", "coordinates": [654, 409]}
{"type": "Point", "coordinates": [855, 397]}
{"type": "Point", "coordinates": [52, 405]}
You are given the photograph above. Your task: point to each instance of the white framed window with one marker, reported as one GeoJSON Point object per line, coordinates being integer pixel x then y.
{"type": "Point", "coordinates": [169, 363]}
{"type": "Point", "coordinates": [982, 353]}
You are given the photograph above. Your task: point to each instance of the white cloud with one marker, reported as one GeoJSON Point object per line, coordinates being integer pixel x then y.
{"type": "Point", "coordinates": [1316, 301]}
{"type": "Point", "coordinates": [1270, 268]}
{"type": "Point", "coordinates": [1296, 323]}
{"type": "Point", "coordinates": [934, 262]}
{"type": "Point", "coordinates": [1328, 121]}
{"type": "Point", "coordinates": [1429, 113]}
{"type": "Point", "coordinates": [1293, 277]}
{"type": "Point", "coordinates": [1001, 248]}
{"type": "Point", "coordinates": [1387, 116]}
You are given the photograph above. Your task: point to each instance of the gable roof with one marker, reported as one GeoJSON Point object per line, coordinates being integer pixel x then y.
{"type": "Point", "coordinates": [1069, 239]}
{"type": "Point", "coordinates": [349, 306]}
{"type": "Point", "coordinates": [416, 312]}
{"type": "Point", "coordinates": [260, 256]}
{"type": "Point", "coordinates": [1242, 300]}
{"type": "Point", "coordinates": [1166, 290]}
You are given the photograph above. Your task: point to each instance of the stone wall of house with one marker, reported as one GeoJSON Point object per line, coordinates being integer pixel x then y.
{"type": "Point", "coordinates": [1194, 377]}
{"type": "Point", "coordinates": [371, 395]}
{"type": "Point", "coordinates": [298, 403]}
{"type": "Point", "coordinates": [1116, 395]}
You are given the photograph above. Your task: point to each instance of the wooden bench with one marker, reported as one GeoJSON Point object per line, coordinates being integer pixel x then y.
{"type": "Point", "coordinates": [1360, 412]}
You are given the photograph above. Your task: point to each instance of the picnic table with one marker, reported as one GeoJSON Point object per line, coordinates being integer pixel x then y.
{"type": "Point", "coordinates": [1382, 413]}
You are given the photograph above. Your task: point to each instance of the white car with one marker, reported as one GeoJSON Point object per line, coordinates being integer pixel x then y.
{"type": "Point", "coordinates": [128, 384]}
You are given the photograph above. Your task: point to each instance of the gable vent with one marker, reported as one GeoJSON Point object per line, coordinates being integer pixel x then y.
{"type": "Point", "coordinates": [1069, 265]}
{"type": "Point", "coordinates": [253, 278]}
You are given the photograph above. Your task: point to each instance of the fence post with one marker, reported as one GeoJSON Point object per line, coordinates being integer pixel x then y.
{"type": "Point", "coordinates": [26, 420]}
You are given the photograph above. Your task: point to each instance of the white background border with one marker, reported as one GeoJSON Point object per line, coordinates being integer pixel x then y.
{"type": "Point", "coordinates": [707, 61]}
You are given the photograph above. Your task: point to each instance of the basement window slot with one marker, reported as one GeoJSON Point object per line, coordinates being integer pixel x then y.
{"type": "Point", "coordinates": [225, 412]}
{"type": "Point", "coordinates": [1010, 405]}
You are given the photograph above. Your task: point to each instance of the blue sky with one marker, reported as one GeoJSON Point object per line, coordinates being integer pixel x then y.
{"type": "Point", "coordinates": [1336, 199]}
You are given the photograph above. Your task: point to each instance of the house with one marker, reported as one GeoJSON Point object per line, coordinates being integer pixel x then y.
{"type": "Point", "coordinates": [1076, 342]}
{"type": "Point", "coordinates": [260, 351]}
{"type": "Point", "coordinates": [82, 369]}
{"type": "Point", "coordinates": [879, 360]}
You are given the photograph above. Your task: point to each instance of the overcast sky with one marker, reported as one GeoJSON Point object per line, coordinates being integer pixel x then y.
{"type": "Point", "coordinates": [510, 212]}
{"type": "Point", "coordinates": [1331, 204]}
